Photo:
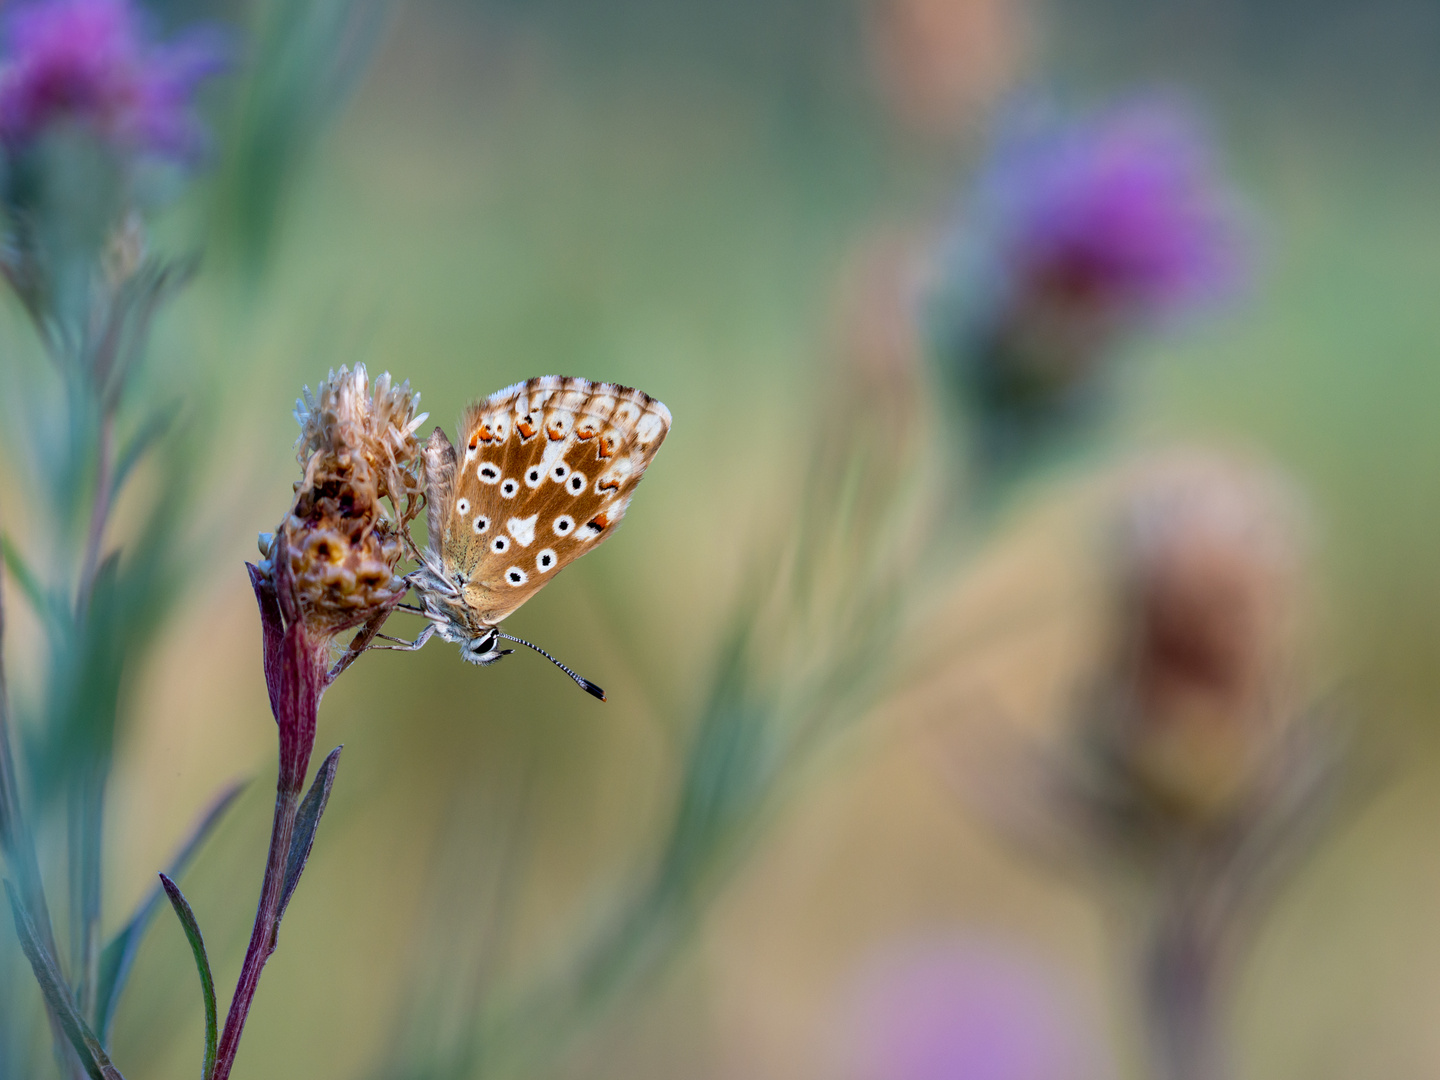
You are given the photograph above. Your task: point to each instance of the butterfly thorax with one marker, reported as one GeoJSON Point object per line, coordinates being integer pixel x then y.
{"type": "Point", "coordinates": [453, 618]}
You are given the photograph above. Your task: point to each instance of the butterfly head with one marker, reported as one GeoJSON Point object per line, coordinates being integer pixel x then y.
{"type": "Point", "coordinates": [483, 649]}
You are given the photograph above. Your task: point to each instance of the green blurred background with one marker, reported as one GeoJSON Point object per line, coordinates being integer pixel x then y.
{"type": "Point", "coordinates": [673, 195]}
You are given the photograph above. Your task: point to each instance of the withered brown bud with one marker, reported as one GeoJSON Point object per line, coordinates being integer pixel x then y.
{"type": "Point", "coordinates": [1207, 564]}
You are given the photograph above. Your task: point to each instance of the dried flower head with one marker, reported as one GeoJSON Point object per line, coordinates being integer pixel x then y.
{"type": "Point", "coordinates": [88, 63]}
{"type": "Point", "coordinates": [358, 449]}
{"type": "Point", "coordinates": [1207, 561]}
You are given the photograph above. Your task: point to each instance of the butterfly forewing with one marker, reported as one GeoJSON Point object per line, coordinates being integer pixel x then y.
{"type": "Point", "coordinates": [543, 472]}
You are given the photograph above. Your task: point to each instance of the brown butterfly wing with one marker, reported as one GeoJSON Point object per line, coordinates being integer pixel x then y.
{"type": "Point", "coordinates": [544, 472]}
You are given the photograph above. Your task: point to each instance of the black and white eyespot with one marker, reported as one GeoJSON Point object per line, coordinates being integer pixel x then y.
{"type": "Point", "coordinates": [481, 523]}
{"type": "Point", "coordinates": [533, 476]}
{"type": "Point", "coordinates": [576, 483]}
{"type": "Point", "coordinates": [559, 472]}
{"type": "Point", "coordinates": [488, 473]}
{"type": "Point", "coordinates": [564, 525]}
{"type": "Point", "coordinates": [462, 507]}
{"type": "Point", "coordinates": [545, 560]}
{"type": "Point", "coordinates": [516, 576]}
{"type": "Point", "coordinates": [500, 544]}
{"type": "Point", "coordinates": [509, 488]}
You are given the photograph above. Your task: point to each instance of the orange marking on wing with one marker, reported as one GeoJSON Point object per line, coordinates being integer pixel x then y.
{"type": "Point", "coordinates": [607, 446]}
{"type": "Point", "coordinates": [474, 441]}
{"type": "Point", "coordinates": [607, 485]}
{"type": "Point", "coordinates": [526, 430]}
{"type": "Point", "coordinates": [555, 431]}
{"type": "Point", "coordinates": [600, 521]}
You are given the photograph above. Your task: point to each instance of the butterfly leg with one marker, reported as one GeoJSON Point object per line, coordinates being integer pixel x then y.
{"type": "Point", "coordinates": [401, 645]}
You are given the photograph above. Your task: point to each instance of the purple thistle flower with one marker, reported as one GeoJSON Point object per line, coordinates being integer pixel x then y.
{"type": "Point", "coordinates": [965, 1010]}
{"type": "Point", "coordinates": [1074, 235]}
{"type": "Point", "coordinates": [1123, 209]}
{"type": "Point", "coordinates": [88, 62]}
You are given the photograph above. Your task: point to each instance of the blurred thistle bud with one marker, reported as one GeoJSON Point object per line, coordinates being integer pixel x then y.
{"type": "Point", "coordinates": [1074, 236]}
{"type": "Point", "coordinates": [358, 450]}
{"type": "Point", "coordinates": [1192, 705]}
{"type": "Point", "coordinates": [939, 62]}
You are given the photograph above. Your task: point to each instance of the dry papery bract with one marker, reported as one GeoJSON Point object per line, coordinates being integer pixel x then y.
{"type": "Point", "coordinates": [358, 450]}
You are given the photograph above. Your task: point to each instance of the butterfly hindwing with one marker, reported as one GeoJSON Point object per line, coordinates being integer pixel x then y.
{"type": "Point", "coordinates": [543, 472]}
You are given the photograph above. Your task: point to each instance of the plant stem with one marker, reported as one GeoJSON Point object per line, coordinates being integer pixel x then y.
{"type": "Point", "coordinates": [86, 822]}
{"type": "Point", "coordinates": [262, 938]}
{"type": "Point", "coordinates": [18, 847]}
{"type": "Point", "coordinates": [1181, 989]}
{"type": "Point", "coordinates": [15, 838]}
{"type": "Point", "coordinates": [99, 513]}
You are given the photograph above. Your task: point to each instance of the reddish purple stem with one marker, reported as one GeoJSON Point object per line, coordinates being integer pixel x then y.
{"type": "Point", "coordinates": [262, 938]}
{"type": "Point", "coordinates": [295, 674]}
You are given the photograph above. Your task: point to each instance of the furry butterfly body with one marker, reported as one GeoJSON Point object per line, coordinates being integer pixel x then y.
{"type": "Point", "coordinates": [543, 472]}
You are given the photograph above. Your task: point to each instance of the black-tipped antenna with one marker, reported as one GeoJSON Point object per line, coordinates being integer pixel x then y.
{"type": "Point", "coordinates": [585, 684]}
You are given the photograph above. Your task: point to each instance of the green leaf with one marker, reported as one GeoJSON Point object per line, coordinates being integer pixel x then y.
{"type": "Point", "coordinates": [119, 954]}
{"type": "Point", "coordinates": [306, 821]}
{"type": "Point", "coordinates": [29, 584]}
{"type": "Point", "coordinates": [202, 965]}
{"type": "Point", "coordinates": [148, 434]}
{"type": "Point", "coordinates": [57, 995]}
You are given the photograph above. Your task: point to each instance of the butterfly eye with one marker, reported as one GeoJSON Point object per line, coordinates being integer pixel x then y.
{"type": "Point", "coordinates": [499, 544]}
{"type": "Point", "coordinates": [533, 476]}
{"type": "Point", "coordinates": [559, 472]}
{"type": "Point", "coordinates": [488, 473]}
{"type": "Point", "coordinates": [516, 576]}
{"type": "Point", "coordinates": [462, 507]}
{"type": "Point", "coordinates": [545, 560]}
{"type": "Point", "coordinates": [577, 483]}
{"type": "Point", "coordinates": [563, 525]}
{"type": "Point", "coordinates": [509, 488]}
{"type": "Point", "coordinates": [482, 523]}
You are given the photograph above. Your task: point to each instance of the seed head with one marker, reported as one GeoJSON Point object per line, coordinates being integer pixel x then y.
{"type": "Point", "coordinates": [345, 533]}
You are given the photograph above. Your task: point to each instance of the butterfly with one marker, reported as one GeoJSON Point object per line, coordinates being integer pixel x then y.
{"type": "Point", "coordinates": [542, 473]}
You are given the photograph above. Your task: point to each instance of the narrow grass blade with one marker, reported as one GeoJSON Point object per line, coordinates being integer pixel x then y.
{"type": "Point", "coordinates": [202, 965]}
{"type": "Point", "coordinates": [119, 954]}
{"type": "Point", "coordinates": [306, 822]}
{"type": "Point", "coordinates": [148, 434]}
{"type": "Point", "coordinates": [57, 995]}
{"type": "Point", "coordinates": [25, 577]}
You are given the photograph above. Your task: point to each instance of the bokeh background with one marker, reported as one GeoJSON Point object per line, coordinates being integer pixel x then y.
{"type": "Point", "coordinates": [688, 197]}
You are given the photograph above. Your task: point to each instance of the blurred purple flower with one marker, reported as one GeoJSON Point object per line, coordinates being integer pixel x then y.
{"type": "Point", "coordinates": [1123, 209]}
{"type": "Point", "coordinates": [965, 1010]}
{"type": "Point", "coordinates": [1075, 234]}
{"type": "Point", "coordinates": [89, 63]}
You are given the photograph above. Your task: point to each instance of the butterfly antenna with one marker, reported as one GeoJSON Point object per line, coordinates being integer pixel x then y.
{"type": "Point", "coordinates": [585, 684]}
